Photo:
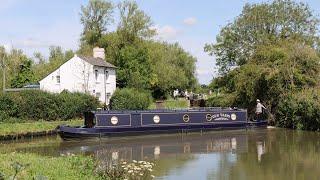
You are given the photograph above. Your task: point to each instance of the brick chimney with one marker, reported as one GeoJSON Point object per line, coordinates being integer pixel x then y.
{"type": "Point", "coordinates": [98, 52]}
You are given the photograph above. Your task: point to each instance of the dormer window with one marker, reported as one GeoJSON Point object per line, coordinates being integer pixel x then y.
{"type": "Point", "coordinates": [96, 74]}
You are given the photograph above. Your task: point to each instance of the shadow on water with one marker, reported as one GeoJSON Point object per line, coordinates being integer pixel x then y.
{"type": "Point", "coordinates": [252, 154]}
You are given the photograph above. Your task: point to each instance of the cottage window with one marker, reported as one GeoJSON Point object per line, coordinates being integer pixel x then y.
{"type": "Point", "coordinates": [58, 79]}
{"type": "Point", "coordinates": [96, 74]}
{"type": "Point", "coordinates": [98, 95]}
{"type": "Point", "coordinates": [107, 75]}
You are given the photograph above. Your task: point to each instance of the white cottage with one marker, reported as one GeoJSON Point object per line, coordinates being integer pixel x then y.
{"type": "Point", "coordinates": [91, 75]}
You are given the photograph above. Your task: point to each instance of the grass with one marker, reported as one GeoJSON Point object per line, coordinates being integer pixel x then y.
{"type": "Point", "coordinates": [36, 126]}
{"type": "Point", "coordinates": [33, 166]}
{"type": "Point", "coordinates": [180, 103]}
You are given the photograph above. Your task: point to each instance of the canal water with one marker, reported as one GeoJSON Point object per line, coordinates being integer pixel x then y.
{"type": "Point", "coordinates": [241, 154]}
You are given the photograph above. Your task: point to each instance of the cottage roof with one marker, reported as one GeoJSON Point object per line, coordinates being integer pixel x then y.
{"type": "Point", "coordinates": [97, 61]}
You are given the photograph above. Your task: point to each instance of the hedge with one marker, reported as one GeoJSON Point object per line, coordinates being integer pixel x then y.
{"type": "Point", "coordinates": [40, 105]}
{"type": "Point", "coordinates": [130, 99]}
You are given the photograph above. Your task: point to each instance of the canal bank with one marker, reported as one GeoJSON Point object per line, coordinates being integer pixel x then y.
{"type": "Point", "coordinates": [29, 129]}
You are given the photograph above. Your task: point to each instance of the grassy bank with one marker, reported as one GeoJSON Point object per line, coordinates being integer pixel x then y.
{"type": "Point", "coordinates": [32, 166]}
{"type": "Point", "coordinates": [180, 103]}
{"type": "Point", "coordinates": [7, 129]}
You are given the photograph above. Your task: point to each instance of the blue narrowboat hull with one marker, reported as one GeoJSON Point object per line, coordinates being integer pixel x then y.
{"type": "Point", "coordinates": [126, 123]}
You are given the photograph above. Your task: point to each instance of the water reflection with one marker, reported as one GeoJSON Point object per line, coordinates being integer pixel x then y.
{"type": "Point", "coordinates": [252, 154]}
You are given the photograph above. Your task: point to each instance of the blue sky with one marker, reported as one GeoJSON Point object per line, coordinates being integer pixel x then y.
{"type": "Point", "coordinates": [34, 25]}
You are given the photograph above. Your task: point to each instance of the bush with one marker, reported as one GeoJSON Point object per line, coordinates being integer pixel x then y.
{"type": "Point", "coordinates": [7, 106]}
{"type": "Point", "coordinates": [130, 99]}
{"type": "Point", "coordinates": [74, 104]}
{"type": "Point", "coordinates": [300, 110]}
{"type": "Point", "coordinates": [36, 105]}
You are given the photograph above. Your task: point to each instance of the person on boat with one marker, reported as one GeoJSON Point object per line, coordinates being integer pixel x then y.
{"type": "Point", "coordinates": [259, 111]}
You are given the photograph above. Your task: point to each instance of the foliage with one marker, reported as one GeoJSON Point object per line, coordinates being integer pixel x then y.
{"type": "Point", "coordinates": [24, 75]}
{"type": "Point", "coordinates": [275, 47]}
{"type": "Point", "coordinates": [130, 99]}
{"type": "Point", "coordinates": [36, 105]}
{"type": "Point", "coordinates": [134, 23]}
{"type": "Point", "coordinates": [134, 68]}
{"type": "Point", "coordinates": [95, 17]}
{"type": "Point", "coordinates": [173, 68]}
{"type": "Point", "coordinates": [300, 110]}
{"type": "Point", "coordinates": [263, 24]}
{"type": "Point", "coordinates": [74, 104]}
{"type": "Point", "coordinates": [142, 62]}
{"type": "Point", "coordinates": [272, 74]}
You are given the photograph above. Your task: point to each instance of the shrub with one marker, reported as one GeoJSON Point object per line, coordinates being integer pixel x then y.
{"type": "Point", "coordinates": [130, 99]}
{"type": "Point", "coordinates": [7, 106]}
{"type": "Point", "coordinates": [36, 105]}
{"type": "Point", "coordinates": [74, 104]}
{"type": "Point", "coordinates": [300, 110]}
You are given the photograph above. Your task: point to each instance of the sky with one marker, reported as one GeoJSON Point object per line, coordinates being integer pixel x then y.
{"type": "Point", "coordinates": [34, 25]}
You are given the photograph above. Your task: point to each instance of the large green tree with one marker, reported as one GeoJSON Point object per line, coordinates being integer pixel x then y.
{"type": "Point", "coordinates": [95, 17]}
{"type": "Point", "coordinates": [141, 62]}
{"type": "Point", "coordinates": [275, 47]}
{"type": "Point", "coordinates": [262, 24]}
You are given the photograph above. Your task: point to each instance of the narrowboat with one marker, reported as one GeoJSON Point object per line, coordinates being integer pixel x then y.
{"type": "Point", "coordinates": [98, 124]}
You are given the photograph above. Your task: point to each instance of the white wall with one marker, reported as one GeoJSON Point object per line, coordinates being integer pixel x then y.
{"type": "Point", "coordinates": [77, 75]}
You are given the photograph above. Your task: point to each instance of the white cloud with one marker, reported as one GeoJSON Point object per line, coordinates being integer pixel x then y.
{"type": "Point", "coordinates": [190, 21]}
{"type": "Point", "coordinates": [166, 32]}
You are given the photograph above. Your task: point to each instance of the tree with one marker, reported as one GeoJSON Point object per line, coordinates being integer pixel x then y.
{"type": "Point", "coordinates": [95, 17]}
{"type": "Point", "coordinates": [134, 23]}
{"type": "Point", "coordinates": [39, 57]}
{"type": "Point", "coordinates": [263, 24]}
{"type": "Point", "coordinates": [135, 67]}
{"type": "Point", "coordinates": [24, 75]}
{"type": "Point", "coordinates": [273, 73]}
